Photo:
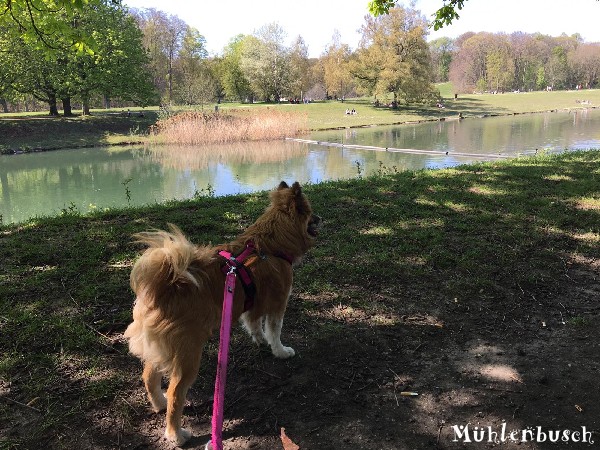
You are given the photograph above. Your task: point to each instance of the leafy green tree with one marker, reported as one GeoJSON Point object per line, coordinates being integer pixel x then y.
{"type": "Point", "coordinates": [115, 69]}
{"type": "Point", "coordinates": [557, 68]}
{"type": "Point", "coordinates": [118, 68]}
{"type": "Point", "coordinates": [442, 17]}
{"type": "Point", "coordinates": [47, 24]}
{"type": "Point", "coordinates": [441, 55]}
{"type": "Point", "coordinates": [232, 77]}
{"type": "Point", "coordinates": [393, 56]}
{"type": "Point", "coordinates": [299, 68]}
{"type": "Point", "coordinates": [335, 62]}
{"type": "Point", "coordinates": [500, 67]}
{"type": "Point", "coordinates": [265, 62]}
{"type": "Point", "coordinates": [194, 83]}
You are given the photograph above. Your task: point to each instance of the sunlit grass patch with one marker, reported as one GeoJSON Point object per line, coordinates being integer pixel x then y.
{"type": "Point", "coordinates": [558, 177]}
{"type": "Point", "coordinates": [587, 203]}
{"type": "Point", "coordinates": [486, 190]}
{"type": "Point", "coordinates": [377, 231]}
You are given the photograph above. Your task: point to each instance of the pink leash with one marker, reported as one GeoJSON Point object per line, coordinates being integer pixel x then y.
{"type": "Point", "coordinates": [216, 442]}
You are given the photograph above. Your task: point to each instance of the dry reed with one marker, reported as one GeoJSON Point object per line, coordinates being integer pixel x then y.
{"type": "Point", "coordinates": [195, 128]}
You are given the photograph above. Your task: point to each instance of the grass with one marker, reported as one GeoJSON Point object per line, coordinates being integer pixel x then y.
{"type": "Point", "coordinates": [38, 131]}
{"type": "Point", "coordinates": [476, 234]}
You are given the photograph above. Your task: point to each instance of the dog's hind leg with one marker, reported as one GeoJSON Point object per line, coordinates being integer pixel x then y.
{"type": "Point", "coordinates": [254, 327]}
{"type": "Point", "coordinates": [273, 325]}
{"type": "Point", "coordinates": [152, 378]}
{"type": "Point", "coordinates": [183, 376]}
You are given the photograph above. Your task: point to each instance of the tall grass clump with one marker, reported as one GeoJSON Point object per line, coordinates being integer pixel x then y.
{"type": "Point", "coordinates": [194, 128]}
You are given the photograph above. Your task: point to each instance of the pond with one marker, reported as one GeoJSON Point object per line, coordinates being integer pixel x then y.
{"type": "Point", "coordinates": [86, 179]}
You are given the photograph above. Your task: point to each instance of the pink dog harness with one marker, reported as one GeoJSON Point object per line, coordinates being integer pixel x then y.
{"type": "Point", "coordinates": [236, 263]}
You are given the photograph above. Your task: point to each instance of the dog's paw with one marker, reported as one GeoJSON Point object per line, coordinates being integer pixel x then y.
{"type": "Point", "coordinates": [178, 437]}
{"type": "Point", "coordinates": [283, 352]}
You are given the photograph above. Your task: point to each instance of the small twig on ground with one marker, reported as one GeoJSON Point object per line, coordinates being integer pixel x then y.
{"type": "Point", "coordinates": [440, 431]}
{"type": "Point", "coordinates": [22, 404]}
{"type": "Point", "coordinates": [270, 374]}
{"type": "Point", "coordinates": [352, 380]}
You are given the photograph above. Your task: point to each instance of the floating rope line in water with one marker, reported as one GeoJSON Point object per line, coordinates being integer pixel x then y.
{"type": "Point", "coordinates": [402, 150]}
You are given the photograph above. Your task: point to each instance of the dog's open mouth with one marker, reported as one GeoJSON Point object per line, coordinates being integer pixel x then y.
{"type": "Point", "coordinates": [313, 225]}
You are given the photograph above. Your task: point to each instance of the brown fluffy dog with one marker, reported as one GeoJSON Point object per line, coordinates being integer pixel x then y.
{"type": "Point", "coordinates": [179, 289]}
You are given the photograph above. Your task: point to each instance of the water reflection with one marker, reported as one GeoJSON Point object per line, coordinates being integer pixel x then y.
{"type": "Point", "coordinates": [85, 179]}
{"type": "Point", "coordinates": [202, 157]}
{"type": "Point", "coordinates": [506, 135]}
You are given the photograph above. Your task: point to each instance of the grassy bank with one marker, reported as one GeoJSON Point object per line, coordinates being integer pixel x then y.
{"type": "Point", "coordinates": [34, 132]}
{"type": "Point", "coordinates": [413, 262]}
{"type": "Point", "coordinates": [29, 132]}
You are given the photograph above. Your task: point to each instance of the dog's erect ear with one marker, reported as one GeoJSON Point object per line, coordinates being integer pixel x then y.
{"type": "Point", "coordinates": [298, 198]}
{"type": "Point", "coordinates": [296, 189]}
{"type": "Point", "coordinates": [282, 185]}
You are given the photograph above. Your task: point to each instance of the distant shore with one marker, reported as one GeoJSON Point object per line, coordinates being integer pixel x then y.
{"type": "Point", "coordinates": [37, 133]}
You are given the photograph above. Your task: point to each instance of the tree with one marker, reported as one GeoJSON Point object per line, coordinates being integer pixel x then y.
{"type": "Point", "coordinates": [233, 79]}
{"type": "Point", "coordinates": [163, 38]}
{"type": "Point", "coordinates": [47, 23]}
{"type": "Point", "coordinates": [442, 17]}
{"type": "Point", "coordinates": [194, 79]}
{"type": "Point", "coordinates": [500, 67]}
{"type": "Point", "coordinates": [441, 50]}
{"type": "Point", "coordinates": [116, 68]}
{"type": "Point", "coordinates": [585, 61]}
{"type": "Point", "coordinates": [299, 68]}
{"type": "Point", "coordinates": [335, 63]}
{"type": "Point", "coordinates": [265, 62]}
{"type": "Point", "coordinates": [393, 56]}
{"type": "Point", "coordinates": [468, 69]}
{"type": "Point", "coordinates": [557, 69]}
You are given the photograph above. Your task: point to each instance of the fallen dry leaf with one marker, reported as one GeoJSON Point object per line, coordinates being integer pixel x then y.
{"type": "Point", "coordinates": [287, 442]}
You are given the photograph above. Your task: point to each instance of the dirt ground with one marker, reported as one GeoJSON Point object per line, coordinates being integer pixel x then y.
{"type": "Point", "coordinates": [515, 364]}
{"type": "Point", "coordinates": [530, 359]}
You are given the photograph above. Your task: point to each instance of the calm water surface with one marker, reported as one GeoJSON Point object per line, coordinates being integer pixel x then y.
{"type": "Point", "coordinates": [86, 179]}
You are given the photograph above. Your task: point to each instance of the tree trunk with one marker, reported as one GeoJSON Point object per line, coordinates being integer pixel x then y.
{"type": "Point", "coordinates": [106, 102]}
{"type": "Point", "coordinates": [4, 105]}
{"type": "Point", "coordinates": [85, 104]}
{"type": "Point", "coordinates": [52, 104]}
{"type": "Point", "coordinates": [67, 110]}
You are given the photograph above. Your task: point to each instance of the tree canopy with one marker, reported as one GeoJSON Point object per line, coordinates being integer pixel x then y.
{"type": "Point", "coordinates": [442, 17]}
{"type": "Point", "coordinates": [114, 70]}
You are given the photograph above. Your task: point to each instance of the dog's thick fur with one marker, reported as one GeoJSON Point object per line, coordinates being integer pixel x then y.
{"type": "Point", "coordinates": [179, 289]}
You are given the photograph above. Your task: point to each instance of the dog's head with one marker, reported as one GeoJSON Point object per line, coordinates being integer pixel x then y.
{"type": "Point", "coordinates": [294, 204]}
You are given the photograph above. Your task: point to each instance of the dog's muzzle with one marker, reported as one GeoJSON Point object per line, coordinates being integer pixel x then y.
{"type": "Point", "coordinates": [314, 224]}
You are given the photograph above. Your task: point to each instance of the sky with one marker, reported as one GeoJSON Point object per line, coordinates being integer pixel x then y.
{"type": "Point", "coordinates": [317, 20]}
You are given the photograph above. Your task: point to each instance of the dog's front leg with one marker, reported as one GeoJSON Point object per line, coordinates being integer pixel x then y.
{"type": "Point", "coordinates": [254, 327]}
{"type": "Point", "coordinates": [273, 325]}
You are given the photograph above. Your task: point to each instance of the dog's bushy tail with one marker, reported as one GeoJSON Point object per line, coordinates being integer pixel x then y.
{"type": "Point", "coordinates": [165, 263]}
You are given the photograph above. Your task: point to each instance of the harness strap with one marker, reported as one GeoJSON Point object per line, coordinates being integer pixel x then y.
{"type": "Point", "coordinates": [237, 262]}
